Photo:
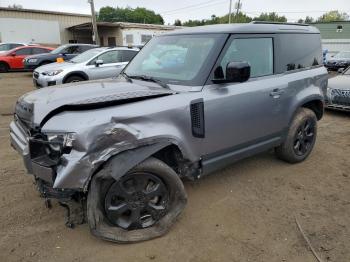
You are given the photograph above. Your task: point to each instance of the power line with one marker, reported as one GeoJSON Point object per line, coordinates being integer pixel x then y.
{"type": "Point", "coordinates": [192, 6]}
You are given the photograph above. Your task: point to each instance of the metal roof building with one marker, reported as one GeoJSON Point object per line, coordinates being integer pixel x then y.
{"type": "Point", "coordinates": [335, 35]}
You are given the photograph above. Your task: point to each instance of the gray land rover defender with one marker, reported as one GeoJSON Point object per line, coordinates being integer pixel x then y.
{"type": "Point", "coordinates": [191, 102]}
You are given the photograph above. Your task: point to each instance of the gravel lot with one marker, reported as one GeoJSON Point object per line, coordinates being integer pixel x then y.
{"type": "Point", "coordinates": [243, 213]}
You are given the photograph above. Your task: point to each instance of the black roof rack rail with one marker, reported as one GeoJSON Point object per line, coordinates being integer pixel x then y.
{"type": "Point", "coordinates": [277, 23]}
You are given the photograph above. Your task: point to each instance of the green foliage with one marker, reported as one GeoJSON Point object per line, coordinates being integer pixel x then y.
{"type": "Point", "coordinates": [178, 22]}
{"type": "Point", "coordinates": [270, 17]}
{"type": "Point", "coordinates": [240, 18]}
{"type": "Point", "coordinates": [333, 16]}
{"type": "Point", "coordinates": [137, 15]}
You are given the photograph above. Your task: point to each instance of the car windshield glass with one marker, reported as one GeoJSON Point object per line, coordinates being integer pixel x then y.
{"type": "Point", "coordinates": [58, 50]}
{"type": "Point", "coordinates": [176, 59]}
{"type": "Point", "coordinates": [86, 56]}
{"type": "Point", "coordinates": [343, 55]}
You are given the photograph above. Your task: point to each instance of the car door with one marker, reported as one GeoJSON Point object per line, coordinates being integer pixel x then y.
{"type": "Point", "coordinates": [112, 65]}
{"type": "Point", "coordinates": [243, 118]}
{"type": "Point", "coordinates": [18, 56]}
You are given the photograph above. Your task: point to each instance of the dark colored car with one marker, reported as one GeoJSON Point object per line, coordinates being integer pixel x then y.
{"type": "Point", "coordinates": [13, 59]}
{"type": "Point", "coordinates": [338, 93]}
{"type": "Point", "coordinates": [340, 60]}
{"type": "Point", "coordinates": [66, 52]}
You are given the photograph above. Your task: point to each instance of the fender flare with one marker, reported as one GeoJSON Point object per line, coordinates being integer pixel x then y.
{"type": "Point", "coordinates": [303, 102]}
{"type": "Point", "coordinates": [80, 73]}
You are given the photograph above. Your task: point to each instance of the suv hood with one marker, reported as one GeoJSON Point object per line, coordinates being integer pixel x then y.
{"type": "Point", "coordinates": [55, 66]}
{"type": "Point", "coordinates": [340, 82]}
{"type": "Point", "coordinates": [37, 107]}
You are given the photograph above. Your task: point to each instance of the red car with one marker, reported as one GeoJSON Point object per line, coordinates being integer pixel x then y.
{"type": "Point", "coordinates": [13, 59]}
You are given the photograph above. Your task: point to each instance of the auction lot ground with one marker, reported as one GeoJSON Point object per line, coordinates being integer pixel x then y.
{"type": "Point", "coordinates": [243, 213]}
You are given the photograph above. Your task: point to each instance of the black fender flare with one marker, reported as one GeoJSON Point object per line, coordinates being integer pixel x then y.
{"type": "Point", "coordinates": [79, 73]}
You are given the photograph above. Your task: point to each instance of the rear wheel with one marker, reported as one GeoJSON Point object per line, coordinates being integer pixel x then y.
{"type": "Point", "coordinates": [73, 79]}
{"type": "Point", "coordinates": [301, 137]}
{"type": "Point", "coordinates": [4, 67]}
{"type": "Point", "coordinates": [141, 205]}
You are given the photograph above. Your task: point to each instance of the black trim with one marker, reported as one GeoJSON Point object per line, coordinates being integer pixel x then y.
{"type": "Point", "coordinates": [197, 118]}
{"type": "Point", "coordinates": [77, 73]}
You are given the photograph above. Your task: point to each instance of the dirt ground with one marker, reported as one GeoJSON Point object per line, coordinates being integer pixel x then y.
{"type": "Point", "coordinates": [243, 213]}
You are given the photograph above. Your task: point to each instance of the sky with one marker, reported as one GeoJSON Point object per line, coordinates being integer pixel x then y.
{"type": "Point", "coordinates": [195, 9]}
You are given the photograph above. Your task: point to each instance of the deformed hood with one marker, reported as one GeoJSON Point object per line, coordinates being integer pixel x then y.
{"type": "Point", "coordinates": [38, 106]}
{"type": "Point", "coordinates": [340, 82]}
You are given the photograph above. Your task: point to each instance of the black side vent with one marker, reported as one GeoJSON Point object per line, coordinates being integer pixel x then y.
{"type": "Point", "coordinates": [197, 118]}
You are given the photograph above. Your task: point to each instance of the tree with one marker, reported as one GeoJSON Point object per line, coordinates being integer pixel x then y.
{"type": "Point", "coordinates": [309, 20]}
{"type": "Point", "coordinates": [178, 22]}
{"type": "Point", "coordinates": [332, 16]}
{"type": "Point", "coordinates": [270, 17]}
{"type": "Point", "coordinates": [137, 15]}
{"type": "Point", "coordinates": [15, 6]}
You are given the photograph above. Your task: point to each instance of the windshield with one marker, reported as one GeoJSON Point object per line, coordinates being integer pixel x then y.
{"type": "Point", "coordinates": [59, 49]}
{"type": "Point", "coordinates": [86, 56]}
{"type": "Point", "coordinates": [177, 59]}
{"type": "Point", "coordinates": [343, 55]}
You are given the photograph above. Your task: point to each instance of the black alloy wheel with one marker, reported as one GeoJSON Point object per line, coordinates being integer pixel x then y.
{"type": "Point", "coordinates": [136, 201]}
{"type": "Point", "coordinates": [304, 138]}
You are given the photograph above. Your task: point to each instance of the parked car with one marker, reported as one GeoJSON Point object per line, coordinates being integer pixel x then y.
{"type": "Point", "coordinates": [118, 148]}
{"type": "Point", "coordinates": [66, 52]}
{"type": "Point", "coordinates": [338, 93]}
{"type": "Point", "coordinates": [97, 63]}
{"type": "Point", "coordinates": [340, 60]}
{"type": "Point", "coordinates": [13, 59]}
{"type": "Point", "coordinates": [4, 47]}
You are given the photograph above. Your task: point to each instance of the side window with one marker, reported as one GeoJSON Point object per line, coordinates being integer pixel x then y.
{"type": "Point", "coordinates": [258, 52]}
{"type": "Point", "coordinates": [12, 46]}
{"type": "Point", "coordinates": [24, 51]}
{"type": "Point", "coordinates": [40, 51]}
{"type": "Point", "coordinates": [127, 55]}
{"type": "Point", "coordinates": [299, 51]}
{"type": "Point", "coordinates": [110, 57]}
{"type": "Point", "coordinates": [84, 48]}
{"type": "Point", "coordinates": [72, 50]}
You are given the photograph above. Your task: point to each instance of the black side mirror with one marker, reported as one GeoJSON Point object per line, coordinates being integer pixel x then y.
{"type": "Point", "coordinates": [236, 72]}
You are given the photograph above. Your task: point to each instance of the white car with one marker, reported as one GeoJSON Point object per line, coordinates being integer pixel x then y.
{"type": "Point", "coordinates": [97, 63]}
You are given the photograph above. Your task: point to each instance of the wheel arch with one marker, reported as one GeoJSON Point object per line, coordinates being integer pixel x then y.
{"type": "Point", "coordinates": [314, 103]}
{"type": "Point", "coordinates": [5, 63]}
{"type": "Point", "coordinates": [76, 73]}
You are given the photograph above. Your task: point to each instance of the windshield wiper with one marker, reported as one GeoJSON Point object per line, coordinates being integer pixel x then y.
{"type": "Point", "coordinates": [150, 79]}
{"type": "Point", "coordinates": [126, 76]}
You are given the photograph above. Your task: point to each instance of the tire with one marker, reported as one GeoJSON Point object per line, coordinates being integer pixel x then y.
{"type": "Point", "coordinates": [300, 139]}
{"type": "Point", "coordinates": [4, 68]}
{"type": "Point", "coordinates": [111, 210]}
{"type": "Point", "coordinates": [73, 79]}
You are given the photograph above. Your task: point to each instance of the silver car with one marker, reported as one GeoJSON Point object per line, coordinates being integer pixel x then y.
{"type": "Point", "coordinates": [190, 103]}
{"type": "Point", "coordinates": [98, 63]}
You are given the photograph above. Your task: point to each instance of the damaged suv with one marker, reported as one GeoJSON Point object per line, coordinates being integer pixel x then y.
{"type": "Point", "coordinates": [190, 103]}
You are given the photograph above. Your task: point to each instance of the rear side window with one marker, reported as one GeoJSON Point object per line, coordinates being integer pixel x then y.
{"type": "Point", "coordinates": [72, 50]}
{"type": "Point", "coordinates": [40, 51]}
{"type": "Point", "coordinates": [299, 51]}
{"type": "Point", "coordinates": [12, 46]}
{"type": "Point", "coordinates": [24, 51]}
{"type": "Point", "coordinates": [128, 55]}
{"type": "Point", "coordinates": [258, 52]}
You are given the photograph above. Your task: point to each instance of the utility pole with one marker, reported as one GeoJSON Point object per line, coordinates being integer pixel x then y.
{"type": "Point", "coordinates": [238, 8]}
{"type": "Point", "coordinates": [95, 37]}
{"type": "Point", "coordinates": [230, 13]}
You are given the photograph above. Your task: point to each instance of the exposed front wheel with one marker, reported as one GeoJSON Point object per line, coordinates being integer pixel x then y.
{"type": "Point", "coordinates": [73, 79]}
{"type": "Point", "coordinates": [141, 205]}
{"type": "Point", "coordinates": [301, 137]}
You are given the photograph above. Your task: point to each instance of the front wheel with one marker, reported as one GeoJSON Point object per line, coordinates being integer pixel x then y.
{"type": "Point", "coordinates": [74, 79]}
{"type": "Point", "coordinates": [141, 205]}
{"type": "Point", "coordinates": [301, 137]}
{"type": "Point", "coordinates": [4, 68]}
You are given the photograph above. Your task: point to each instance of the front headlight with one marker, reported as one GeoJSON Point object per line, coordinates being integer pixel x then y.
{"type": "Point", "coordinates": [52, 73]}
{"type": "Point", "coordinates": [32, 60]}
{"type": "Point", "coordinates": [58, 142]}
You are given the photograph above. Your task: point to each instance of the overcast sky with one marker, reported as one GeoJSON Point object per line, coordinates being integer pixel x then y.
{"type": "Point", "coordinates": [195, 9]}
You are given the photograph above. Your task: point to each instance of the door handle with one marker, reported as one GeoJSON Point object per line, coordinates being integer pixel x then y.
{"type": "Point", "coordinates": [276, 93]}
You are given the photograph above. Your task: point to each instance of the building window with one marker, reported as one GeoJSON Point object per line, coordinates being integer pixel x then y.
{"type": "Point", "coordinates": [145, 38]}
{"type": "Point", "coordinates": [129, 39]}
{"type": "Point", "coordinates": [339, 28]}
{"type": "Point", "coordinates": [112, 41]}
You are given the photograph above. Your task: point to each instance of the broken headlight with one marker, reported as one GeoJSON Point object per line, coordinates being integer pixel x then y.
{"type": "Point", "coordinates": [47, 149]}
